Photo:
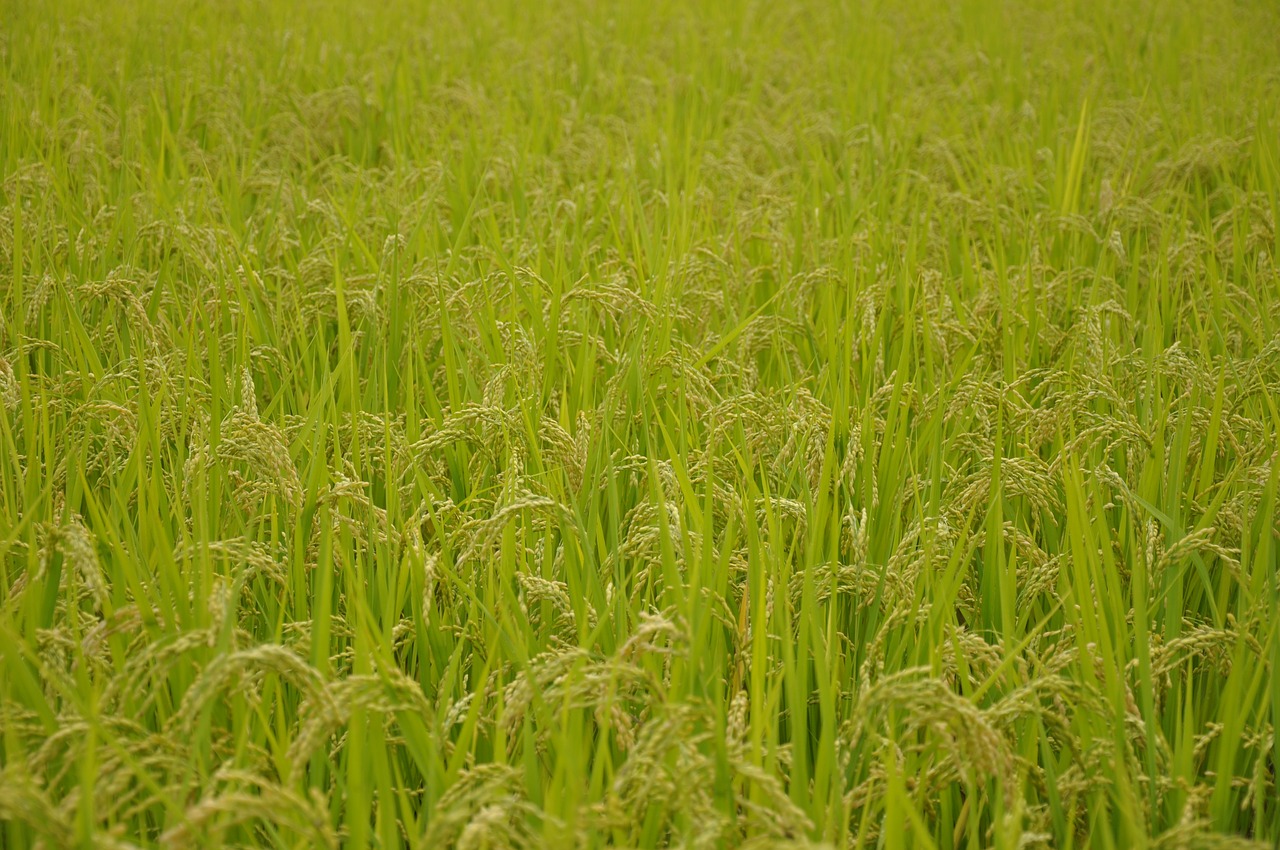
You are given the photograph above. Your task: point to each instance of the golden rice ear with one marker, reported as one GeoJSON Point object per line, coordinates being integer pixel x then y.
{"type": "Point", "coordinates": [245, 799]}
{"type": "Point", "coordinates": [23, 801]}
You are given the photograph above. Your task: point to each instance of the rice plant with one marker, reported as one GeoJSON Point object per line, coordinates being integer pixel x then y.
{"type": "Point", "coordinates": [639, 424]}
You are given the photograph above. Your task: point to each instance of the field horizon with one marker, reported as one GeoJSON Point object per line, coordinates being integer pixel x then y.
{"type": "Point", "coordinates": [639, 424]}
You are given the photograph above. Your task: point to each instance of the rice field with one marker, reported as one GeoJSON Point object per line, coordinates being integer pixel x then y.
{"type": "Point", "coordinates": [639, 424]}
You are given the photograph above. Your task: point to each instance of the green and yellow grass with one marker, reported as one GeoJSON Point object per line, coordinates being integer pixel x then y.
{"type": "Point", "coordinates": [639, 424]}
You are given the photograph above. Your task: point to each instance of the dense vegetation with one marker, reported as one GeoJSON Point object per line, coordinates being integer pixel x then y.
{"type": "Point", "coordinates": [643, 423]}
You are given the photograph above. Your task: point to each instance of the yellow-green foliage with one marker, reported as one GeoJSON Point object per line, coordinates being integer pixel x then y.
{"type": "Point", "coordinates": [639, 423]}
